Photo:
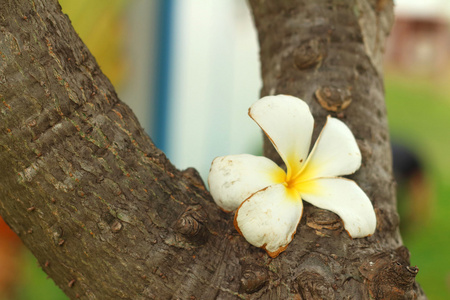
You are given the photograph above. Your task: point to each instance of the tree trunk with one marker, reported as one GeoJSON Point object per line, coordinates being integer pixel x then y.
{"type": "Point", "coordinates": [108, 216]}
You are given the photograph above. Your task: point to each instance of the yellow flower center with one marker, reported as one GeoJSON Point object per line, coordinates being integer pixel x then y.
{"type": "Point", "coordinates": [298, 179]}
{"type": "Point", "coordinates": [302, 180]}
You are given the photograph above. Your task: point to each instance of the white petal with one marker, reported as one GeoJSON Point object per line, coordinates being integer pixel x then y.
{"type": "Point", "coordinates": [346, 199]}
{"type": "Point", "coordinates": [269, 218]}
{"type": "Point", "coordinates": [233, 178]}
{"type": "Point", "coordinates": [288, 123]}
{"type": "Point", "coordinates": [335, 152]}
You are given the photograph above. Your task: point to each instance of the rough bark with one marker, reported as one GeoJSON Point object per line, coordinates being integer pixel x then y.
{"type": "Point", "coordinates": [108, 216]}
{"type": "Point", "coordinates": [329, 53]}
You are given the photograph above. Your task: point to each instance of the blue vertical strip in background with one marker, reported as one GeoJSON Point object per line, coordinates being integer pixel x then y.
{"type": "Point", "coordinates": [162, 78]}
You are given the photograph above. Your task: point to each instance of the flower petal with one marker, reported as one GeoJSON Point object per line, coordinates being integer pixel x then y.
{"type": "Point", "coordinates": [345, 198]}
{"type": "Point", "coordinates": [288, 123]}
{"type": "Point", "coordinates": [269, 218]}
{"type": "Point", "coordinates": [335, 152]}
{"type": "Point", "coordinates": [233, 178]}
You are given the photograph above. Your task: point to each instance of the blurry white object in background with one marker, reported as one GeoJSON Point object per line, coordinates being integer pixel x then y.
{"type": "Point", "coordinates": [423, 8]}
{"type": "Point", "coordinates": [215, 79]}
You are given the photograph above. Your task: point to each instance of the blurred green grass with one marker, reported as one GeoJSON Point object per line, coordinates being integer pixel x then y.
{"type": "Point", "coordinates": [34, 284]}
{"type": "Point", "coordinates": [419, 113]}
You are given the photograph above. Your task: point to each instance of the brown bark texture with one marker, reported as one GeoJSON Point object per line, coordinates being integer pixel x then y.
{"type": "Point", "coordinates": [108, 216]}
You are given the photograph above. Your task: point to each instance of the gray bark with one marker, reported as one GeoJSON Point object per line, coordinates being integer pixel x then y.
{"type": "Point", "coordinates": [108, 216]}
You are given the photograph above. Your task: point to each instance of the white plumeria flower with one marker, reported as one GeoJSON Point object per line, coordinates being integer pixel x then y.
{"type": "Point", "coordinates": [269, 200]}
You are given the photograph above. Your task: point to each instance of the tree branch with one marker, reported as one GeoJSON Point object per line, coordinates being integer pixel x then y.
{"type": "Point", "coordinates": [81, 182]}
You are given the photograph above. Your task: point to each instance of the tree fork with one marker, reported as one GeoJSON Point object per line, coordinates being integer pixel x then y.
{"type": "Point", "coordinates": [108, 216]}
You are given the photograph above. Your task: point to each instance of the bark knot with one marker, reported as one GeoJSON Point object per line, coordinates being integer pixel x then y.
{"type": "Point", "coordinates": [191, 223]}
{"type": "Point", "coordinates": [322, 221]}
{"type": "Point", "coordinates": [116, 226]}
{"type": "Point", "coordinates": [333, 98]}
{"type": "Point", "coordinates": [310, 54]}
{"type": "Point", "coordinates": [192, 177]}
{"type": "Point", "coordinates": [253, 278]}
{"type": "Point", "coordinates": [313, 286]}
{"type": "Point", "coordinates": [389, 276]}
